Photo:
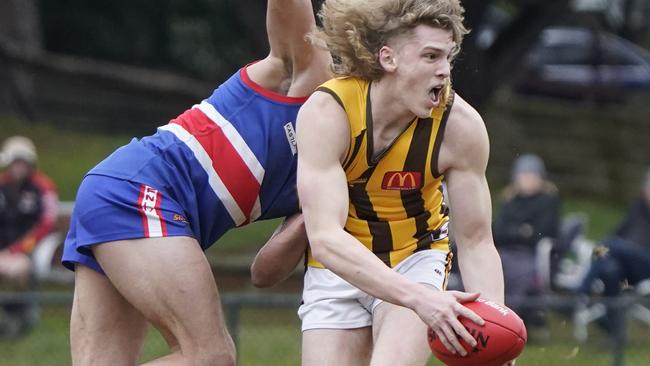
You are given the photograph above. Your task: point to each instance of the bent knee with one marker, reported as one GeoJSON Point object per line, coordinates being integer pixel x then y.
{"type": "Point", "coordinates": [215, 351]}
{"type": "Point", "coordinates": [216, 357]}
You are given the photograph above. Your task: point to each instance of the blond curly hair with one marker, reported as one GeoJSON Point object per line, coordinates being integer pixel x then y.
{"type": "Point", "coordinates": [355, 30]}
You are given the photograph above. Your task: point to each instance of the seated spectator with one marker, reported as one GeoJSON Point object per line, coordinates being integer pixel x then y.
{"type": "Point", "coordinates": [624, 258]}
{"type": "Point", "coordinates": [528, 212]}
{"type": "Point", "coordinates": [28, 212]}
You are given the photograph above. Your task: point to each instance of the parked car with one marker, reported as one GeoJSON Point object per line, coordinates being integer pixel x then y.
{"type": "Point", "coordinates": [574, 62]}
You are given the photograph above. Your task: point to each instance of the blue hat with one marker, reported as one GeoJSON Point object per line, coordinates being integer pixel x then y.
{"type": "Point", "coordinates": [528, 163]}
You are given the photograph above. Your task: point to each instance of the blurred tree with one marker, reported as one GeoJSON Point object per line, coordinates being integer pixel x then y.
{"type": "Point", "coordinates": [20, 34]}
{"type": "Point", "coordinates": [210, 38]}
{"type": "Point", "coordinates": [204, 38]}
{"type": "Point", "coordinates": [131, 31]}
{"type": "Point", "coordinates": [628, 18]}
{"type": "Point", "coordinates": [20, 25]}
{"type": "Point", "coordinates": [480, 69]}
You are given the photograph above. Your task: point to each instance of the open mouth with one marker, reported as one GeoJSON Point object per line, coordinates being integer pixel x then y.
{"type": "Point", "coordinates": [435, 94]}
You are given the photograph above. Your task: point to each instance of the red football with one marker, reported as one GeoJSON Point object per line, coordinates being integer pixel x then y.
{"type": "Point", "coordinates": [500, 339]}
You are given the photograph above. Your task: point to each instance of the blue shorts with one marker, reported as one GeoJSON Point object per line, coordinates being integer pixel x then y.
{"type": "Point", "coordinates": [109, 209]}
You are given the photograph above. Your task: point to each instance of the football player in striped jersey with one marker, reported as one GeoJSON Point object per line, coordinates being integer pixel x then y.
{"type": "Point", "coordinates": [373, 196]}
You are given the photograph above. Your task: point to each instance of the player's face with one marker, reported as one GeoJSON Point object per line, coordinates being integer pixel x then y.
{"type": "Point", "coordinates": [423, 68]}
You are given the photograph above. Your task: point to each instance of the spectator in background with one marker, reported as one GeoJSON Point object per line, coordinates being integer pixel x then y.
{"type": "Point", "coordinates": [624, 259]}
{"type": "Point", "coordinates": [28, 212]}
{"type": "Point", "coordinates": [529, 212]}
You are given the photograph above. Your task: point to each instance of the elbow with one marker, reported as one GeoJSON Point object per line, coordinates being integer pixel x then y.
{"type": "Point", "coordinates": [261, 278]}
{"type": "Point", "coordinates": [261, 282]}
{"type": "Point", "coordinates": [476, 245]}
{"type": "Point", "coordinates": [320, 249]}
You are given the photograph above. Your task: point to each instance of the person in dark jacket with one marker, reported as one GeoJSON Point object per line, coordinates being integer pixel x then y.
{"type": "Point", "coordinates": [28, 212]}
{"type": "Point", "coordinates": [529, 211]}
{"type": "Point", "coordinates": [635, 227]}
{"type": "Point", "coordinates": [624, 258]}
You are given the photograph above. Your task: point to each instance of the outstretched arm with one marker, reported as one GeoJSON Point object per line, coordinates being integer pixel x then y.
{"type": "Point", "coordinates": [323, 191]}
{"type": "Point", "coordinates": [294, 66]}
{"type": "Point", "coordinates": [281, 253]}
{"type": "Point", "coordinates": [463, 158]}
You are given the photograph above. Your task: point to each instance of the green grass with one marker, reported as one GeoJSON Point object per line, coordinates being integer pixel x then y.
{"type": "Point", "coordinates": [603, 216]}
{"type": "Point", "coordinates": [271, 337]}
{"type": "Point", "coordinates": [46, 345]}
{"type": "Point", "coordinates": [244, 239]}
{"type": "Point", "coordinates": [65, 156]}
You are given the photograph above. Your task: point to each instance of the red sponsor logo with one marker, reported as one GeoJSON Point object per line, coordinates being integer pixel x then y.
{"type": "Point", "coordinates": [402, 181]}
{"type": "Point", "coordinates": [149, 199]}
{"type": "Point", "coordinates": [149, 202]}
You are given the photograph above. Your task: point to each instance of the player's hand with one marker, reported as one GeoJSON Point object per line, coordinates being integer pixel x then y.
{"type": "Point", "coordinates": [440, 311]}
{"type": "Point", "coordinates": [511, 363]}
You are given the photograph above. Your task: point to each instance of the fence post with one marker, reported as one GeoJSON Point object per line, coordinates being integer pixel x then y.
{"type": "Point", "coordinates": [616, 313]}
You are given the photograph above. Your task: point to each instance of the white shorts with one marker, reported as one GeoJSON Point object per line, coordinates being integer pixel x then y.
{"type": "Point", "coordinates": [330, 302]}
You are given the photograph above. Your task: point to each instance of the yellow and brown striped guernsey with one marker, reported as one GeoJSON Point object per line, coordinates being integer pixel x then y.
{"type": "Point", "coordinates": [396, 197]}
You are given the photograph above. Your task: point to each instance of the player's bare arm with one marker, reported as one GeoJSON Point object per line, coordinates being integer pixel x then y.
{"type": "Point", "coordinates": [281, 253]}
{"type": "Point", "coordinates": [323, 136]}
{"type": "Point", "coordinates": [294, 66]}
{"type": "Point", "coordinates": [463, 159]}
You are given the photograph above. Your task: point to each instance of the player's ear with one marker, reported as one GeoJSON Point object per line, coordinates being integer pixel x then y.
{"type": "Point", "coordinates": [387, 59]}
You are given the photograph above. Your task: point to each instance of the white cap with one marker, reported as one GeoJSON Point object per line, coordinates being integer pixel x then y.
{"type": "Point", "coordinates": [15, 148]}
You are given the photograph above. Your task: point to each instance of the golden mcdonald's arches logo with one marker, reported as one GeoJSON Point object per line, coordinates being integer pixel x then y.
{"type": "Point", "coordinates": [402, 181]}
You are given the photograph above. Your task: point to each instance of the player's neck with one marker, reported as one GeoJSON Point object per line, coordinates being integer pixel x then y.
{"type": "Point", "coordinates": [387, 108]}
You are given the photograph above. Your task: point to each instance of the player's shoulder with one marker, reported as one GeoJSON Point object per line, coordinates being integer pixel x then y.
{"type": "Point", "coordinates": [465, 141]}
{"type": "Point", "coordinates": [324, 108]}
{"type": "Point", "coordinates": [344, 84]}
{"type": "Point", "coordinates": [322, 102]}
{"type": "Point", "coordinates": [348, 92]}
{"type": "Point", "coordinates": [260, 78]}
{"type": "Point", "coordinates": [323, 118]}
{"type": "Point", "coordinates": [463, 116]}
{"type": "Point", "coordinates": [465, 126]}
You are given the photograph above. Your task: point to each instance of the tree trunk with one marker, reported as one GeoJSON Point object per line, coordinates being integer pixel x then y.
{"type": "Point", "coordinates": [20, 23]}
{"type": "Point", "coordinates": [20, 34]}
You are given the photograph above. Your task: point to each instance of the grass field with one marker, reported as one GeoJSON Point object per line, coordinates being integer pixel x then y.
{"type": "Point", "coordinates": [272, 338]}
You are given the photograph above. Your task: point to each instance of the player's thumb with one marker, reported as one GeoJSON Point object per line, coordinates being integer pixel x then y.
{"type": "Point", "coordinates": [463, 297]}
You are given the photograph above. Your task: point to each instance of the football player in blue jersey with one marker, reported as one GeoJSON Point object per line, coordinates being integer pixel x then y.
{"type": "Point", "coordinates": [144, 215]}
